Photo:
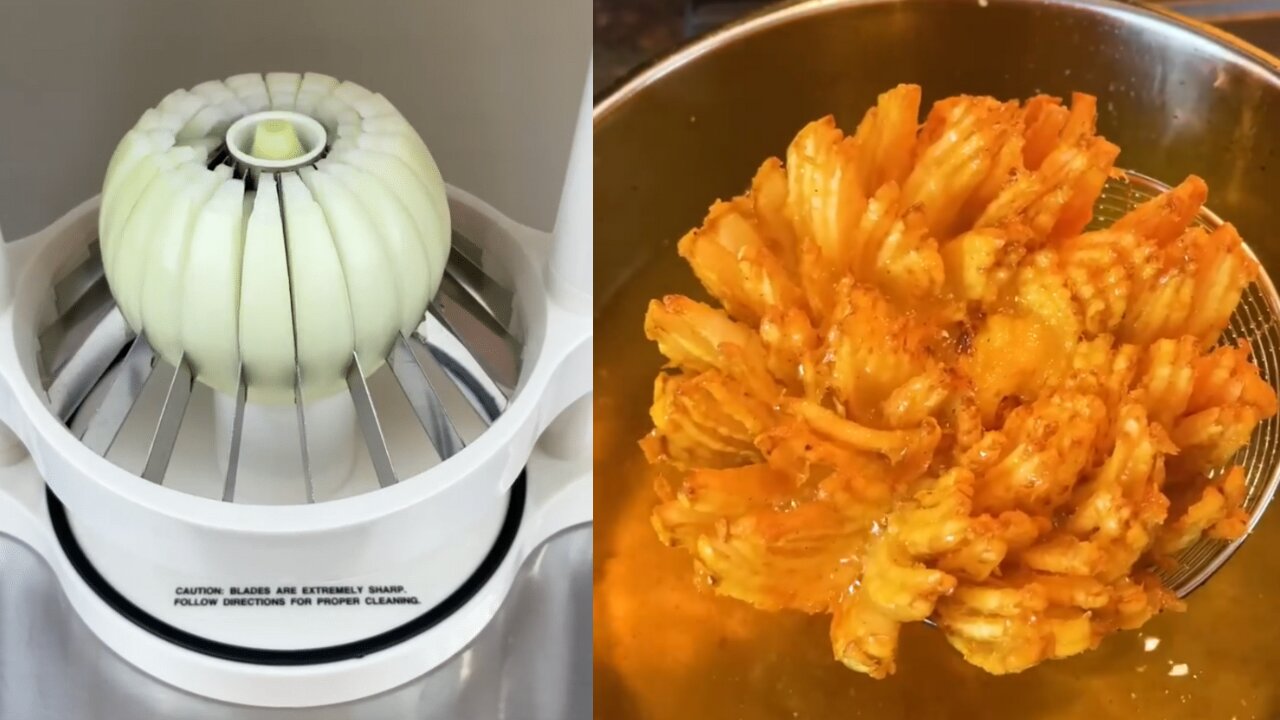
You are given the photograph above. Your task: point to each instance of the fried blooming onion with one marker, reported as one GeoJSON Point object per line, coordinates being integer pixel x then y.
{"type": "Point", "coordinates": [928, 393]}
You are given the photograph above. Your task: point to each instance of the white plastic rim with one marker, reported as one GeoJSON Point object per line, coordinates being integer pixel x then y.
{"type": "Point", "coordinates": [402, 521]}
{"type": "Point", "coordinates": [310, 132]}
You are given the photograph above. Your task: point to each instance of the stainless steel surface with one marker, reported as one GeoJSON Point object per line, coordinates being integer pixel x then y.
{"type": "Point", "coordinates": [530, 663]}
{"type": "Point", "coordinates": [60, 341]}
{"type": "Point", "coordinates": [73, 287]}
{"type": "Point", "coordinates": [298, 400]}
{"type": "Point", "coordinates": [465, 257]}
{"type": "Point", "coordinates": [1178, 98]}
{"type": "Point", "coordinates": [97, 426]}
{"type": "Point", "coordinates": [630, 33]}
{"type": "Point", "coordinates": [86, 366]}
{"type": "Point", "coordinates": [95, 393]}
{"type": "Point", "coordinates": [440, 370]}
{"type": "Point", "coordinates": [303, 447]}
{"type": "Point", "coordinates": [367, 416]}
{"type": "Point", "coordinates": [1225, 10]}
{"type": "Point", "coordinates": [461, 312]}
{"type": "Point", "coordinates": [1255, 21]}
{"type": "Point", "coordinates": [233, 448]}
{"type": "Point", "coordinates": [422, 397]}
{"type": "Point", "coordinates": [177, 396]}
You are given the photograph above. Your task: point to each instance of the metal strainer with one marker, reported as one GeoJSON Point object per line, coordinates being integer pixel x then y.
{"type": "Point", "coordinates": [1256, 319]}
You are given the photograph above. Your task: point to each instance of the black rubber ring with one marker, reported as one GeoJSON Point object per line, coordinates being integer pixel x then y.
{"type": "Point", "coordinates": [316, 656]}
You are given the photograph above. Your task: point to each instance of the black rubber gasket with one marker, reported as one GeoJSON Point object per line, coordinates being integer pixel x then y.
{"type": "Point", "coordinates": [316, 656]}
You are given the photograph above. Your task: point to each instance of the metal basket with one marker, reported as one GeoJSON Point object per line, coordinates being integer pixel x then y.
{"type": "Point", "coordinates": [1256, 319]}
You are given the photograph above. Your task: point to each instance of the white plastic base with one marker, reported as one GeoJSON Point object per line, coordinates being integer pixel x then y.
{"type": "Point", "coordinates": [560, 496]}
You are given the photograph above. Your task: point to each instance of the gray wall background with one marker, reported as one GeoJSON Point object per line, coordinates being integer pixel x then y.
{"type": "Point", "coordinates": [492, 85]}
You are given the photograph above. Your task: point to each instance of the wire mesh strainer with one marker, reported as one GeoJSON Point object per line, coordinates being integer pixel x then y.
{"type": "Point", "coordinates": [1256, 319]}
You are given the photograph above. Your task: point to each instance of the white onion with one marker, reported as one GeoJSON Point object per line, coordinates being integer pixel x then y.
{"type": "Point", "coordinates": [198, 263]}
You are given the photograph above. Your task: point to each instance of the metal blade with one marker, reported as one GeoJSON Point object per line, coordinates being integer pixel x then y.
{"type": "Point", "coordinates": [497, 352]}
{"type": "Point", "coordinates": [170, 422]}
{"type": "Point", "coordinates": [464, 268]}
{"type": "Point", "coordinates": [297, 367]}
{"type": "Point", "coordinates": [68, 290]}
{"type": "Point", "coordinates": [369, 426]}
{"type": "Point", "coordinates": [63, 339]}
{"type": "Point", "coordinates": [86, 366]}
{"type": "Point", "coordinates": [424, 400]}
{"type": "Point", "coordinates": [237, 425]}
{"type": "Point", "coordinates": [102, 426]}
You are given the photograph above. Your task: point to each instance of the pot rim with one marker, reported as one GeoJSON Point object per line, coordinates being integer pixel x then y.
{"type": "Point", "coordinates": [613, 97]}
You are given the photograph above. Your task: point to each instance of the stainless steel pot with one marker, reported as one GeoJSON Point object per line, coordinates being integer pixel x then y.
{"type": "Point", "coordinates": [1178, 97]}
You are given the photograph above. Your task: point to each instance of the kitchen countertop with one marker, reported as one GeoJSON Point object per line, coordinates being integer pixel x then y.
{"type": "Point", "coordinates": [629, 33]}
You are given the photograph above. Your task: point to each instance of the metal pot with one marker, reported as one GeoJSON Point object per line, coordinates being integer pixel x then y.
{"type": "Point", "coordinates": [1178, 98]}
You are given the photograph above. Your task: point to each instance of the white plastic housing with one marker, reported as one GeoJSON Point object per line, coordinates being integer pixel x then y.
{"type": "Point", "coordinates": [570, 272]}
{"type": "Point", "coordinates": [427, 532]}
